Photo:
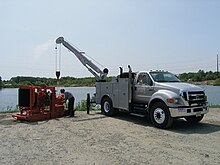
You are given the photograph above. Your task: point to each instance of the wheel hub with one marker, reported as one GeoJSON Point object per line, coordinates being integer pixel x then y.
{"type": "Point", "coordinates": [106, 107]}
{"type": "Point", "coordinates": [159, 115]}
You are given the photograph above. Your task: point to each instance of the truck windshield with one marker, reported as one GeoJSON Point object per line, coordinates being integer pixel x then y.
{"type": "Point", "coordinates": [164, 77]}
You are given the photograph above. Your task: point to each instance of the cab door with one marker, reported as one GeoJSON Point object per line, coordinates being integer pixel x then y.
{"type": "Point", "coordinates": [143, 89]}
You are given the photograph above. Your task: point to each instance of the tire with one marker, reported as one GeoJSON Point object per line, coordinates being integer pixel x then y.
{"type": "Point", "coordinates": [194, 119]}
{"type": "Point", "coordinates": [107, 107]}
{"type": "Point", "coordinates": [160, 115]}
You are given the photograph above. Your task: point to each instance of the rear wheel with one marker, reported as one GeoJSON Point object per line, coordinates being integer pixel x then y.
{"type": "Point", "coordinates": [160, 115]}
{"type": "Point", "coordinates": [194, 119]}
{"type": "Point", "coordinates": [107, 107]}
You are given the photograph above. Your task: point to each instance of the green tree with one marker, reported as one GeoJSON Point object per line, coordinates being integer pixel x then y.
{"type": "Point", "coordinates": [199, 76]}
{"type": "Point", "coordinates": [1, 82]}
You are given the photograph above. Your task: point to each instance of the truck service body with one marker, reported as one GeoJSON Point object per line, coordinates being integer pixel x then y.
{"type": "Point", "coordinates": [159, 94]}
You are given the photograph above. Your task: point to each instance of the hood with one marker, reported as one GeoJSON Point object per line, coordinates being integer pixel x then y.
{"type": "Point", "coordinates": [178, 86]}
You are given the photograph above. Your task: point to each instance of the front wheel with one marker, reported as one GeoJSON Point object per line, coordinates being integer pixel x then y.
{"type": "Point", "coordinates": [160, 115]}
{"type": "Point", "coordinates": [107, 107]}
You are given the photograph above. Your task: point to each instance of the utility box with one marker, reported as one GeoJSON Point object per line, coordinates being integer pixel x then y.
{"type": "Point", "coordinates": [117, 90]}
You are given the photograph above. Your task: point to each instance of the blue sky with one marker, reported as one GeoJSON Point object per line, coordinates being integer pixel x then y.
{"type": "Point", "coordinates": [174, 35]}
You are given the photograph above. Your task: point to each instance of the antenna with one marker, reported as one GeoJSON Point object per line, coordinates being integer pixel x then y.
{"type": "Point", "coordinates": [217, 64]}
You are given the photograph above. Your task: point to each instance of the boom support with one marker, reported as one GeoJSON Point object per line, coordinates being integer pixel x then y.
{"type": "Point", "coordinates": [98, 73]}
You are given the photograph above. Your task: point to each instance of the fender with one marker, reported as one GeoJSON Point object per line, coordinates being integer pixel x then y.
{"type": "Point", "coordinates": [106, 95]}
{"type": "Point", "coordinates": [162, 95]}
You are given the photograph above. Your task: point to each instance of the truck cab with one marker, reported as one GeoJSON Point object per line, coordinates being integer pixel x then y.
{"type": "Point", "coordinates": [165, 95]}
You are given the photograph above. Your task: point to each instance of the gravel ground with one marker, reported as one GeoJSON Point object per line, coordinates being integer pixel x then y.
{"type": "Point", "coordinates": [97, 139]}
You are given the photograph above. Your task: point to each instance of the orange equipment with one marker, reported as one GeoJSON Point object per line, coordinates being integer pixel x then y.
{"type": "Point", "coordinates": [39, 103]}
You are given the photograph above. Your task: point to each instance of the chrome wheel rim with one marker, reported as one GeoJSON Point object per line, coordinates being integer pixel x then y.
{"type": "Point", "coordinates": [106, 107]}
{"type": "Point", "coordinates": [159, 115]}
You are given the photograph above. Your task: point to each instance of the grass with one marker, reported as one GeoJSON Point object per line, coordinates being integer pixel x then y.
{"type": "Point", "coordinates": [217, 82]}
{"type": "Point", "coordinates": [10, 110]}
{"type": "Point", "coordinates": [214, 106]}
{"type": "Point", "coordinates": [81, 106]}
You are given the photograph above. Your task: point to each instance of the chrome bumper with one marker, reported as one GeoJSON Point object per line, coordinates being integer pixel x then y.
{"type": "Point", "coordinates": [188, 111]}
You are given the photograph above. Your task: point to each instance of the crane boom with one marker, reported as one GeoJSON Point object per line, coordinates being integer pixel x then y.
{"type": "Point", "coordinates": [98, 73]}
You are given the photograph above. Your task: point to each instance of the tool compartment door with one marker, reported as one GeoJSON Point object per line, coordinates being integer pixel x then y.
{"type": "Point", "coordinates": [120, 94]}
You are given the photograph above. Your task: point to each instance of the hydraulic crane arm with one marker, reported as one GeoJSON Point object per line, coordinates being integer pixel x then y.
{"type": "Point", "coordinates": [98, 73]}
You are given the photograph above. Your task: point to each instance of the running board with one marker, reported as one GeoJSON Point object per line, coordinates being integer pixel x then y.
{"type": "Point", "coordinates": [139, 109]}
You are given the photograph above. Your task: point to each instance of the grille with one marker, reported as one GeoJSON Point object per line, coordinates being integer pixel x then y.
{"type": "Point", "coordinates": [196, 97]}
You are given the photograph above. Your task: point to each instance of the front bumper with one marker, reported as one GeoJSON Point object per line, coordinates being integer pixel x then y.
{"type": "Point", "coordinates": [188, 111]}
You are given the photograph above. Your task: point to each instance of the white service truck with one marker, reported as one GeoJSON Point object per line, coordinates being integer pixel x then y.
{"type": "Point", "coordinates": [159, 94]}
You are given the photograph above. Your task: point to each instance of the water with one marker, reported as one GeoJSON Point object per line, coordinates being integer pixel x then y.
{"type": "Point", "coordinates": [9, 96]}
{"type": "Point", "coordinates": [213, 93]}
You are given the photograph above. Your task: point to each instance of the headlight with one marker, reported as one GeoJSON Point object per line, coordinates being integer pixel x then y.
{"type": "Point", "coordinates": [172, 100]}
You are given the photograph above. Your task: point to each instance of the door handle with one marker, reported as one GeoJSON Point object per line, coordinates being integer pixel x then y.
{"type": "Point", "coordinates": [151, 88]}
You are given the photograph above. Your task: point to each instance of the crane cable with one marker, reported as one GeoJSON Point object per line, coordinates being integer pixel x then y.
{"type": "Point", "coordinates": [56, 58]}
{"type": "Point", "coordinates": [59, 57]}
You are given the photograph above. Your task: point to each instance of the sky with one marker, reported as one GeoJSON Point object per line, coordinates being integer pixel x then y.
{"type": "Point", "coordinates": [174, 35]}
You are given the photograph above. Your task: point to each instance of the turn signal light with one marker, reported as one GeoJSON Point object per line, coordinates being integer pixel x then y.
{"type": "Point", "coordinates": [170, 100]}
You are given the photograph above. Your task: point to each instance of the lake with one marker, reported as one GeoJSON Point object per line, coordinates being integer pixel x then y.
{"type": "Point", "coordinates": [9, 96]}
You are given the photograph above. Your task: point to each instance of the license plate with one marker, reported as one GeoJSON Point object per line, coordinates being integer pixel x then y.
{"type": "Point", "coordinates": [198, 114]}
{"type": "Point", "coordinates": [181, 109]}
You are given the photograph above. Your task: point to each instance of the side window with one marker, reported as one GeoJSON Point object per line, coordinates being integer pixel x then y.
{"type": "Point", "coordinates": [144, 79]}
{"type": "Point", "coordinates": [147, 80]}
{"type": "Point", "coordinates": [140, 79]}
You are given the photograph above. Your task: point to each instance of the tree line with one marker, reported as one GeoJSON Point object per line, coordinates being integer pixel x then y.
{"type": "Point", "coordinates": [14, 82]}
{"type": "Point", "coordinates": [1, 84]}
{"type": "Point", "coordinates": [201, 76]}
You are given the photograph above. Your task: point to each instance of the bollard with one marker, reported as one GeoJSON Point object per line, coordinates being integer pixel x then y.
{"type": "Point", "coordinates": [88, 103]}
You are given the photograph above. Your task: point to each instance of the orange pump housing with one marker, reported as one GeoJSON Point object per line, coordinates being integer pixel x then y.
{"type": "Point", "coordinates": [39, 103]}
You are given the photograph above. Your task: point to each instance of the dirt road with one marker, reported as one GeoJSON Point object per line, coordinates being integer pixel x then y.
{"type": "Point", "coordinates": [97, 139]}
